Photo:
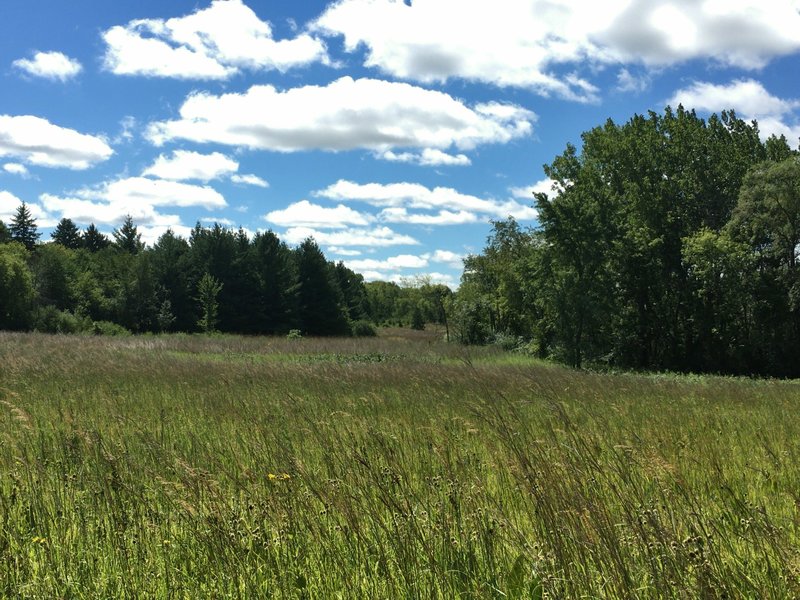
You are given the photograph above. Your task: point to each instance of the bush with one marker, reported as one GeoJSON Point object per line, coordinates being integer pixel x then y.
{"type": "Point", "coordinates": [363, 329]}
{"type": "Point", "coordinates": [109, 328]}
{"type": "Point", "coordinates": [294, 334]}
{"type": "Point", "coordinates": [507, 341]}
{"type": "Point", "coordinates": [48, 319]}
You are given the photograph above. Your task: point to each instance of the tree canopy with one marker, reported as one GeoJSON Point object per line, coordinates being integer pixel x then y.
{"type": "Point", "coordinates": [667, 242]}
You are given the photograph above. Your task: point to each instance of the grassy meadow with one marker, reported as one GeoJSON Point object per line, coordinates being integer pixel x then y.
{"type": "Point", "coordinates": [392, 467]}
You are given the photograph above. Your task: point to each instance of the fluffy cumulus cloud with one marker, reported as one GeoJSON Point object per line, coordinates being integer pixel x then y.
{"type": "Point", "coordinates": [16, 169]}
{"type": "Point", "coordinates": [347, 114]}
{"type": "Point", "coordinates": [50, 65]}
{"type": "Point", "coordinates": [429, 157]}
{"type": "Point", "coordinates": [9, 204]}
{"type": "Point", "coordinates": [543, 186]}
{"type": "Point", "coordinates": [377, 237]}
{"type": "Point", "coordinates": [306, 214]}
{"type": "Point", "coordinates": [403, 262]}
{"type": "Point", "coordinates": [539, 44]}
{"type": "Point", "coordinates": [449, 205]}
{"type": "Point", "coordinates": [139, 197]}
{"type": "Point", "coordinates": [36, 141]}
{"type": "Point", "coordinates": [213, 43]}
{"type": "Point", "coordinates": [749, 99]}
{"type": "Point", "coordinates": [250, 179]}
{"type": "Point", "coordinates": [184, 165]}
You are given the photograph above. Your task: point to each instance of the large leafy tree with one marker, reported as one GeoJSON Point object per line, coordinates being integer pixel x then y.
{"type": "Point", "coordinates": [5, 234]}
{"type": "Point", "coordinates": [23, 227]}
{"type": "Point", "coordinates": [16, 287]}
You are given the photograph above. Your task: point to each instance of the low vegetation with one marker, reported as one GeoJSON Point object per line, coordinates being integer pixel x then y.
{"type": "Point", "coordinates": [387, 467]}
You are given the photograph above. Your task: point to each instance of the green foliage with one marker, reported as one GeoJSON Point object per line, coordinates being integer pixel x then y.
{"type": "Point", "coordinates": [321, 303]}
{"type": "Point", "coordinates": [16, 287]}
{"type": "Point", "coordinates": [108, 328]}
{"type": "Point", "coordinates": [48, 319]}
{"type": "Point", "coordinates": [127, 238]}
{"type": "Point", "coordinates": [5, 234]}
{"type": "Point", "coordinates": [93, 240]}
{"type": "Point", "coordinates": [23, 227]}
{"type": "Point", "coordinates": [667, 243]}
{"type": "Point", "coordinates": [417, 320]}
{"type": "Point", "coordinates": [294, 334]}
{"type": "Point", "coordinates": [208, 288]}
{"type": "Point", "coordinates": [362, 329]}
{"type": "Point", "coordinates": [67, 234]}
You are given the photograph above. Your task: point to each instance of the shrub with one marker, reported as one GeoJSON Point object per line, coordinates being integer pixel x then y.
{"type": "Point", "coordinates": [109, 328]}
{"type": "Point", "coordinates": [363, 329]}
{"type": "Point", "coordinates": [48, 319]}
{"type": "Point", "coordinates": [294, 334]}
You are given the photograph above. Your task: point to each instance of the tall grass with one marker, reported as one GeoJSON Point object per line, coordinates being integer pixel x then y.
{"type": "Point", "coordinates": [396, 467]}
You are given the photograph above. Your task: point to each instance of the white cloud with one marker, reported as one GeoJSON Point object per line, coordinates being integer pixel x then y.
{"type": "Point", "coordinates": [127, 127]}
{"type": "Point", "coordinates": [218, 221]}
{"type": "Point", "coordinates": [16, 169]}
{"type": "Point", "coordinates": [38, 142]}
{"type": "Point", "coordinates": [447, 257]}
{"type": "Point", "coordinates": [138, 197]}
{"type": "Point", "coordinates": [184, 165]}
{"type": "Point", "coordinates": [344, 115]}
{"type": "Point", "coordinates": [741, 33]}
{"type": "Point", "coordinates": [749, 99]}
{"type": "Point", "coordinates": [9, 204]}
{"type": "Point", "coordinates": [628, 82]}
{"type": "Point", "coordinates": [306, 214]}
{"type": "Point", "coordinates": [379, 237]}
{"type": "Point", "coordinates": [50, 65]}
{"type": "Point", "coordinates": [151, 233]}
{"type": "Point", "coordinates": [543, 186]}
{"type": "Point", "coordinates": [213, 43]}
{"type": "Point", "coordinates": [253, 180]}
{"type": "Point", "coordinates": [417, 196]}
{"type": "Point", "coordinates": [393, 263]}
{"type": "Point", "coordinates": [343, 251]}
{"type": "Point", "coordinates": [443, 217]}
{"type": "Point", "coordinates": [429, 157]}
{"type": "Point", "coordinates": [531, 43]}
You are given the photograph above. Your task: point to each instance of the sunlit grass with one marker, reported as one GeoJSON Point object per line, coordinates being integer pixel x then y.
{"type": "Point", "coordinates": [189, 466]}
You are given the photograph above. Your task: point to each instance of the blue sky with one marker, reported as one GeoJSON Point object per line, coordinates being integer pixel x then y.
{"type": "Point", "coordinates": [392, 132]}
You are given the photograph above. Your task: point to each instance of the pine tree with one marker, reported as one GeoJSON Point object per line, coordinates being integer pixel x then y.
{"type": "Point", "coordinates": [67, 234]}
{"type": "Point", "coordinates": [127, 238]}
{"type": "Point", "coordinates": [23, 227]}
{"type": "Point", "coordinates": [320, 301]}
{"type": "Point", "coordinates": [93, 240]}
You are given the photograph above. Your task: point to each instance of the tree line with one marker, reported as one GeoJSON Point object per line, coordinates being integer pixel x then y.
{"type": "Point", "coordinates": [668, 242]}
{"type": "Point", "coordinates": [219, 279]}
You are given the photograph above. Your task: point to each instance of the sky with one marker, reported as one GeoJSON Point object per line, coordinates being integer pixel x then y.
{"type": "Point", "coordinates": [393, 132]}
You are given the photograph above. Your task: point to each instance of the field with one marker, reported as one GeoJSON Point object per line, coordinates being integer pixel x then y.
{"type": "Point", "coordinates": [394, 467]}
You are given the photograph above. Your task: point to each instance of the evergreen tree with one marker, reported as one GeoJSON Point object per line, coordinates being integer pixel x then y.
{"type": "Point", "coordinates": [93, 240]}
{"type": "Point", "coordinates": [276, 282]}
{"type": "Point", "coordinates": [127, 238]}
{"type": "Point", "coordinates": [67, 234]}
{"type": "Point", "coordinates": [320, 301]}
{"type": "Point", "coordinates": [23, 227]}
